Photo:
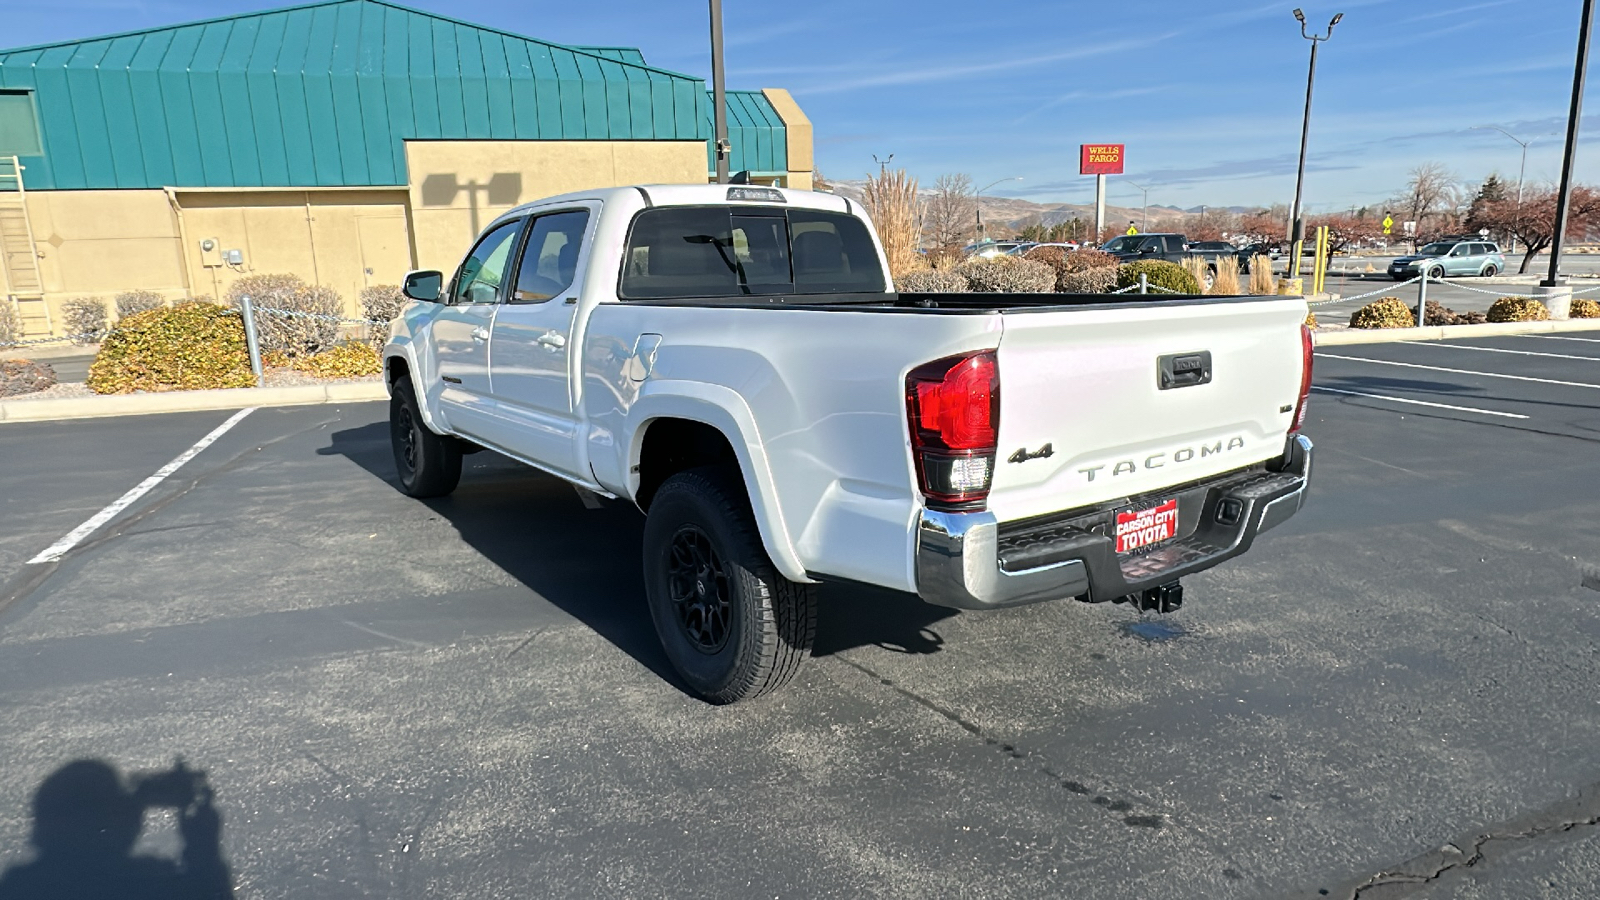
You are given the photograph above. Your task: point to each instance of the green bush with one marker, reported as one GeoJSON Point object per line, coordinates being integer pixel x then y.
{"type": "Point", "coordinates": [85, 319]}
{"type": "Point", "coordinates": [1518, 309]}
{"type": "Point", "coordinates": [931, 281]}
{"type": "Point", "coordinates": [1087, 281]}
{"type": "Point", "coordinates": [191, 346]}
{"type": "Point", "coordinates": [351, 359]}
{"type": "Point", "coordinates": [1384, 312]}
{"type": "Point", "coordinates": [1160, 274]}
{"type": "Point", "coordinates": [24, 376]}
{"type": "Point", "coordinates": [130, 302]}
{"type": "Point", "coordinates": [1007, 275]}
{"type": "Point", "coordinates": [291, 335]}
{"type": "Point", "coordinates": [1584, 308]}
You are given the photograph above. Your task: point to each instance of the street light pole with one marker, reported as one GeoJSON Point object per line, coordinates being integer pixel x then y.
{"type": "Point", "coordinates": [1296, 230]}
{"type": "Point", "coordinates": [977, 202]}
{"type": "Point", "coordinates": [1522, 167]}
{"type": "Point", "coordinates": [718, 101]}
{"type": "Point", "coordinates": [1144, 215]}
{"type": "Point", "coordinates": [1572, 145]}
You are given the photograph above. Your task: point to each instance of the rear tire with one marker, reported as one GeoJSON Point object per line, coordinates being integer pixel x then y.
{"type": "Point", "coordinates": [1490, 271]}
{"type": "Point", "coordinates": [429, 464]}
{"type": "Point", "coordinates": [733, 627]}
{"type": "Point", "coordinates": [1210, 279]}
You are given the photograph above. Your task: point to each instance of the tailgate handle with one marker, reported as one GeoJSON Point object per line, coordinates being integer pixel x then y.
{"type": "Point", "coordinates": [1179, 370]}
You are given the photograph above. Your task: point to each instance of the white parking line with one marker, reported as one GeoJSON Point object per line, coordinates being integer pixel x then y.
{"type": "Point", "coordinates": [62, 547]}
{"type": "Point", "coordinates": [1487, 412]}
{"type": "Point", "coordinates": [1385, 362]}
{"type": "Point", "coordinates": [1557, 337]}
{"type": "Point", "coordinates": [1499, 350]}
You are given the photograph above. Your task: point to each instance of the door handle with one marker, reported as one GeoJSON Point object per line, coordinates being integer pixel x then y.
{"type": "Point", "coordinates": [480, 333]}
{"type": "Point", "coordinates": [553, 341]}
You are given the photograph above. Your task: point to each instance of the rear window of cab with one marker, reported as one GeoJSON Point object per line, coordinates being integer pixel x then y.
{"type": "Point", "coordinates": [721, 251]}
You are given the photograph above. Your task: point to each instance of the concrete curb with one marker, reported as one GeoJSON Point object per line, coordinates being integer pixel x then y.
{"type": "Point", "coordinates": [1446, 332]}
{"type": "Point", "coordinates": [187, 401]}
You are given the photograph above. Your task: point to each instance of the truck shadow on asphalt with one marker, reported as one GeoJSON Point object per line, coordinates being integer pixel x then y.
{"type": "Point", "coordinates": [583, 555]}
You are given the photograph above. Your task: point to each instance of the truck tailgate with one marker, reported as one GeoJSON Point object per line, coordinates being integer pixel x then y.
{"type": "Point", "coordinates": [1084, 416]}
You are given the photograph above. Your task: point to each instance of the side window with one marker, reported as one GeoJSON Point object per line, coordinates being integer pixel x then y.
{"type": "Point", "coordinates": [479, 278]}
{"type": "Point", "coordinates": [550, 257]}
{"type": "Point", "coordinates": [1461, 250]}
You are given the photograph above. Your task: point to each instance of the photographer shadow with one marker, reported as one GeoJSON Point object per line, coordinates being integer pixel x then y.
{"type": "Point", "coordinates": [87, 819]}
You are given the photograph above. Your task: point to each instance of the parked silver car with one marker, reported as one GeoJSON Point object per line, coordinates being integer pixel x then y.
{"type": "Point", "coordinates": [1450, 257]}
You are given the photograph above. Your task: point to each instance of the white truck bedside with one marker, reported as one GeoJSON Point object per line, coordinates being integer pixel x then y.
{"type": "Point", "coordinates": [735, 361]}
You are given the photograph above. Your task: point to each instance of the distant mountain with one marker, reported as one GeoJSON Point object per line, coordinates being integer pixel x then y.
{"type": "Point", "coordinates": [1011, 213]}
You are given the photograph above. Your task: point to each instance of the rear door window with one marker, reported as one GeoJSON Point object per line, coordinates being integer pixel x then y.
{"type": "Point", "coordinates": [550, 257]}
{"type": "Point", "coordinates": [676, 252]}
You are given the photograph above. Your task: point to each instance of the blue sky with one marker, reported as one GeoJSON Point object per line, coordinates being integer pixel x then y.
{"type": "Point", "coordinates": [1207, 97]}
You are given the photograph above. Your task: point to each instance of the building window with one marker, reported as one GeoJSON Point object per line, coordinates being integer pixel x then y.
{"type": "Point", "coordinates": [19, 125]}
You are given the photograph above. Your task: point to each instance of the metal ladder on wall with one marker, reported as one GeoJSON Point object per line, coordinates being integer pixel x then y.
{"type": "Point", "coordinates": [19, 254]}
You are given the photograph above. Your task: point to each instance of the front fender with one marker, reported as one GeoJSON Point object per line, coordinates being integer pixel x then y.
{"type": "Point", "coordinates": [401, 348]}
{"type": "Point", "coordinates": [725, 410]}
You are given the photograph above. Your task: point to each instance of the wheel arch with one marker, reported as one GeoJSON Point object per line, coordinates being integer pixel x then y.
{"type": "Point", "coordinates": [678, 432]}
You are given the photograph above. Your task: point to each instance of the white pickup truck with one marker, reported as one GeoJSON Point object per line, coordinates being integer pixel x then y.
{"type": "Point", "coordinates": [735, 361]}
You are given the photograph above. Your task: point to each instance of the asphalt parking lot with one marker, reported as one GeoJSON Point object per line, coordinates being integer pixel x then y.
{"type": "Point", "coordinates": [464, 697]}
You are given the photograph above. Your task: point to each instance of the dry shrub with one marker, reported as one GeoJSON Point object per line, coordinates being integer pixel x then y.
{"type": "Point", "coordinates": [1311, 320]}
{"type": "Point", "coordinates": [191, 346]}
{"type": "Point", "coordinates": [1261, 278]}
{"type": "Point", "coordinates": [10, 324]}
{"type": "Point", "coordinates": [1584, 308]}
{"type": "Point", "coordinates": [24, 376]}
{"type": "Point", "coordinates": [1437, 313]}
{"type": "Point", "coordinates": [292, 335]}
{"type": "Point", "coordinates": [1084, 260]}
{"type": "Point", "coordinates": [1384, 312]}
{"type": "Point", "coordinates": [1007, 275]}
{"type": "Point", "coordinates": [381, 303]}
{"type": "Point", "coordinates": [1158, 274]}
{"type": "Point", "coordinates": [891, 202]}
{"type": "Point", "coordinates": [130, 302]}
{"type": "Point", "coordinates": [85, 319]}
{"type": "Point", "coordinates": [1518, 309]}
{"type": "Point", "coordinates": [1198, 268]}
{"type": "Point", "coordinates": [1226, 281]}
{"type": "Point", "coordinates": [1078, 271]}
{"type": "Point", "coordinates": [931, 281]}
{"type": "Point", "coordinates": [351, 359]}
{"type": "Point", "coordinates": [1088, 281]}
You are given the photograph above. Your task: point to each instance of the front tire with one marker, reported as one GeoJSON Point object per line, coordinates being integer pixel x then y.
{"type": "Point", "coordinates": [733, 627]}
{"type": "Point", "coordinates": [1436, 273]}
{"type": "Point", "coordinates": [429, 464]}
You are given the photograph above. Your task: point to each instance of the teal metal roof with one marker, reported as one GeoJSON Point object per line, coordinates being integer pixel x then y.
{"type": "Point", "coordinates": [324, 95]}
{"type": "Point", "coordinates": [756, 131]}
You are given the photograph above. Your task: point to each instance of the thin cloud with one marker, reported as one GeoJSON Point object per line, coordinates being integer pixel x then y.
{"type": "Point", "coordinates": [1086, 95]}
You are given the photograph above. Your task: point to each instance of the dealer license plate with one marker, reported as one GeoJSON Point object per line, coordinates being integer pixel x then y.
{"type": "Point", "coordinates": [1140, 529]}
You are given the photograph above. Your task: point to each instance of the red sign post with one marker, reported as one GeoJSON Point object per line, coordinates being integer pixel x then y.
{"type": "Point", "coordinates": [1100, 159]}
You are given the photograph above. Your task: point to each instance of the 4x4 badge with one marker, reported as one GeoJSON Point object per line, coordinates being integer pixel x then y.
{"type": "Point", "coordinates": [1024, 455]}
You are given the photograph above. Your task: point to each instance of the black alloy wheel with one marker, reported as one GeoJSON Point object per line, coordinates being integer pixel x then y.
{"type": "Point", "coordinates": [698, 585]}
{"type": "Point", "coordinates": [429, 464]}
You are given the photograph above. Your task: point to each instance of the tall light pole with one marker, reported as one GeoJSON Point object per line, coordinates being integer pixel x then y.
{"type": "Point", "coordinates": [1144, 216]}
{"type": "Point", "coordinates": [1521, 168]}
{"type": "Point", "coordinates": [1562, 297]}
{"type": "Point", "coordinates": [977, 202]}
{"type": "Point", "coordinates": [1296, 230]}
{"type": "Point", "coordinates": [718, 101]}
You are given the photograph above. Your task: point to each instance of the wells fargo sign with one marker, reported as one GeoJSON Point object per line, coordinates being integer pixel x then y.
{"type": "Point", "coordinates": [1100, 159]}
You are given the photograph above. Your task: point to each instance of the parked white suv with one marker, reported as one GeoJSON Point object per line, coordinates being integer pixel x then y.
{"type": "Point", "coordinates": [732, 359]}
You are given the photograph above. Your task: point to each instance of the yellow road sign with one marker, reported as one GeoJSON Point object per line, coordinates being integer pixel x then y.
{"type": "Point", "coordinates": [1388, 223]}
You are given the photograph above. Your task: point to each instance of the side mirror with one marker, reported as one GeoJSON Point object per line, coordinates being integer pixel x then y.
{"type": "Point", "coordinates": [423, 285]}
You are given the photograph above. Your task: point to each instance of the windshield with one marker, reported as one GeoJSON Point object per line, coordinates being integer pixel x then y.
{"type": "Point", "coordinates": [1438, 249]}
{"type": "Point", "coordinates": [1123, 244]}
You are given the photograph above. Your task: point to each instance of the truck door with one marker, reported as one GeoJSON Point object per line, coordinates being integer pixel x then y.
{"type": "Point", "coordinates": [530, 351]}
{"type": "Point", "coordinates": [461, 330]}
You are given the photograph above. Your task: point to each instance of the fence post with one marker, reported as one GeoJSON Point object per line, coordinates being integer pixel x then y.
{"type": "Point", "coordinates": [1144, 283]}
{"type": "Point", "coordinates": [252, 342]}
{"type": "Point", "coordinates": [1422, 299]}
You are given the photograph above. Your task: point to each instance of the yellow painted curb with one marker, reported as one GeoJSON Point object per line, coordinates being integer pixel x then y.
{"type": "Point", "coordinates": [1448, 332]}
{"type": "Point", "coordinates": [187, 401]}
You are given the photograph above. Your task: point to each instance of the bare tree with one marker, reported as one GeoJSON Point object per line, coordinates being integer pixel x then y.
{"type": "Point", "coordinates": [1432, 191]}
{"type": "Point", "coordinates": [949, 221]}
{"type": "Point", "coordinates": [1533, 222]}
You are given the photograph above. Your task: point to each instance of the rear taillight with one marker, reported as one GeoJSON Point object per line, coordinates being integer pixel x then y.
{"type": "Point", "coordinates": [954, 409]}
{"type": "Point", "coordinates": [1306, 348]}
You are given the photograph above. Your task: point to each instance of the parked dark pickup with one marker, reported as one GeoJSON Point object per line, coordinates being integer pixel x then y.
{"type": "Point", "coordinates": [1173, 248]}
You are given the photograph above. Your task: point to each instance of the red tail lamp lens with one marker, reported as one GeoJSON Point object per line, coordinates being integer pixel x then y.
{"type": "Point", "coordinates": [1307, 348]}
{"type": "Point", "coordinates": [953, 405]}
